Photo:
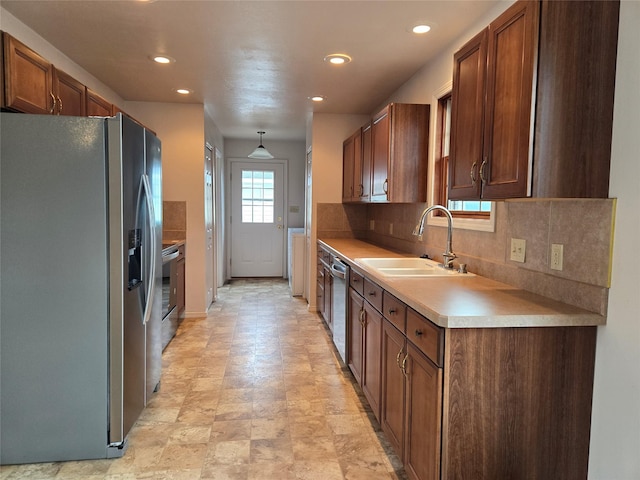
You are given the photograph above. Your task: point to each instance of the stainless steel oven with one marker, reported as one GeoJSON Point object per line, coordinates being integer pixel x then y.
{"type": "Point", "coordinates": [170, 256]}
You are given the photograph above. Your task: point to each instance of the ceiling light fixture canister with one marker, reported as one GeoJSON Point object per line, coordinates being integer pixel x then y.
{"type": "Point", "coordinates": [337, 58]}
{"type": "Point", "coordinates": [260, 152]}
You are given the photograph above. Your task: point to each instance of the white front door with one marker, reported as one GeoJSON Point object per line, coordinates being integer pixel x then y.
{"type": "Point", "coordinates": [257, 219]}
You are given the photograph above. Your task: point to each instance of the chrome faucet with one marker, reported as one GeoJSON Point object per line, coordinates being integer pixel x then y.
{"type": "Point", "coordinates": [448, 256]}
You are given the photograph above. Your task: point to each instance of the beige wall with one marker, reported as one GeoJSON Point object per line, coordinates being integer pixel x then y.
{"type": "Point", "coordinates": [180, 127]}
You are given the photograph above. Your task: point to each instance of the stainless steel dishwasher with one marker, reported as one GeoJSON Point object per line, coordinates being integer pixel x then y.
{"type": "Point", "coordinates": [339, 305]}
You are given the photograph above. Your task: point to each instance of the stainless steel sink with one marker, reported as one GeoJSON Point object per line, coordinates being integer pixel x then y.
{"type": "Point", "coordinates": [408, 267]}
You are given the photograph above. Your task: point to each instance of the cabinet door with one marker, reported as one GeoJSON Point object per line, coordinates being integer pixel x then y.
{"type": "Point", "coordinates": [393, 385]}
{"type": "Point", "coordinates": [70, 94]}
{"type": "Point", "coordinates": [380, 156]}
{"type": "Point", "coordinates": [356, 184]}
{"type": "Point", "coordinates": [467, 107]}
{"type": "Point", "coordinates": [320, 296]}
{"type": "Point", "coordinates": [326, 311]}
{"type": "Point", "coordinates": [97, 106]}
{"type": "Point", "coordinates": [423, 416]}
{"type": "Point", "coordinates": [348, 160]}
{"type": "Point", "coordinates": [372, 338]}
{"type": "Point", "coordinates": [408, 157]}
{"type": "Point", "coordinates": [365, 177]}
{"type": "Point", "coordinates": [28, 79]}
{"type": "Point", "coordinates": [354, 340]}
{"type": "Point", "coordinates": [511, 55]}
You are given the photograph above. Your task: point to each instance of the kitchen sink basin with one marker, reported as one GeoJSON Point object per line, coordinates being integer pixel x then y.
{"type": "Point", "coordinates": [408, 267]}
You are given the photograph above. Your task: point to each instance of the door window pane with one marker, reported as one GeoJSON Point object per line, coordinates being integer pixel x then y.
{"type": "Point", "coordinates": [257, 196]}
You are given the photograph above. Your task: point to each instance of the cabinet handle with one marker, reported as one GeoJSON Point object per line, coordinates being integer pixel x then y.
{"type": "Point", "coordinates": [385, 186]}
{"type": "Point", "coordinates": [398, 359]}
{"type": "Point", "coordinates": [372, 294]}
{"type": "Point", "coordinates": [53, 103]}
{"type": "Point", "coordinates": [392, 311]}
{"type": "Point", "coordinates": [59, 105]}
{"type": "Point", "coordinates": [361, 190]}
{"type": "Point", "coordinates": [418, 333]}
{"type": "Point", "coordinates": [362, 315]}
{"type": "Point", "coordinates": [404, 366]}
{"type": "Point", "coordinates": [355, 280]}
{"type": "Point", "coordinates": [482, 177]}
{"type": "Point", "coordinates": [473, 173]}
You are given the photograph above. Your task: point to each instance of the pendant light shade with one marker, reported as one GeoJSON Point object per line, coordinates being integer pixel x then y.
{"type": "Point", "coordinates": [260, 152]}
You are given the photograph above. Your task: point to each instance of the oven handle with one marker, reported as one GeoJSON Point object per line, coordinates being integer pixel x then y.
{"type": "Point", "coordinates": [170, 256]}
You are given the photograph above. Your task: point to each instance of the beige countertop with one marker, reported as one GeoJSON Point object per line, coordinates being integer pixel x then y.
{"type": "Point", "coordinates": [465, 302]}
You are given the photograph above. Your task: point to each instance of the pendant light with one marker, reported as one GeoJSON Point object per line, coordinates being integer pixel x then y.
{"type": "Point", "coordinates": [260, 152]}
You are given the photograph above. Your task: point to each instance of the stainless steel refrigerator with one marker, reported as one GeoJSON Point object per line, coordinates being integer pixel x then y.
{"type": "Point", "coordinates": [80, 284]}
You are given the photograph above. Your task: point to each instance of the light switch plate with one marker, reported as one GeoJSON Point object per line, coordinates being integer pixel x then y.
{"type": "Point", "coordinates": [518, 249]}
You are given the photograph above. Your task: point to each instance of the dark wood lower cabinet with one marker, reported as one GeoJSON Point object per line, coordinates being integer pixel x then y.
{"type": "Point", "coordinates": [354, 340]}
{"type": "Point", "coordinates": [469, 403]}
{"type": "Point", "coordinates": [517, 403]}
{"type": "Point", "coordinates": [423, 416]}
{"type": "Point", "coordinates": [372, 335]}
{"type": "Point", "coordinates": [327, 313]}
{"type": "Point", "coordinates": [393, 386]}
{"type": "Point", "coordinates": [363, 351]}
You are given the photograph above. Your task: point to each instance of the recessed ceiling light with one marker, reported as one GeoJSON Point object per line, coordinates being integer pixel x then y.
{"type": "Point", "coordinates": [337, 58]}
{"type": "Point", "coordinates": [183, 91]}
{"type": "Point", "coordinates": [162, 59]}
{"type": "Point", "coordinates": [420, 29]}
{"type": "Point", "coordinates": [318, 98]}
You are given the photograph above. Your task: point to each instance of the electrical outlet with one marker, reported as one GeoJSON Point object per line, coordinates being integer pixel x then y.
{"type": "Point", "coordinates": [518, 249]}
{"type": "Point", "coordinates": [372, 224]}
{"type": "Point", "coordinates": [557, 251]}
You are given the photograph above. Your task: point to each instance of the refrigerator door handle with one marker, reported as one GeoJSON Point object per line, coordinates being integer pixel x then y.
{"type": "Point", "coordinates": [154, 248]}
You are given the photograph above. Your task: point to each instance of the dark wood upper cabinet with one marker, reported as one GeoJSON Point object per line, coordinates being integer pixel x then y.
{"type": "Point", "coordinates": [348, 168]}
{"type": "Point", "coordinates": [97, 106]}
{"type": "Point", "coordinates": [70, 94]}
{"type": "Point", "coordinates": [365, 195]}
{"type": "Point", "coordinates": [399, 144]}
{"type": "Point", "coordinates": [575, 93]}
{"type": "Point", "coordinates": [511, 52]}
{"type": "Point", "coordinates": [546, 115]}
{"type": "Point", "coordinates": [356, 176]}
{"type": "Point", "coordinates": [467, 115]}
{"type": "Point", "coordinates": [28, 79]}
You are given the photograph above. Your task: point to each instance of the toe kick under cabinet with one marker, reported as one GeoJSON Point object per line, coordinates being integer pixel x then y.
{"type": "Point", "coordinates": [479, 403]}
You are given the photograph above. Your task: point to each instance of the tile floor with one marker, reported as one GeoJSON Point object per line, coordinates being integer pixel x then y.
{"type": "Point", "coordinates": [253, 391]}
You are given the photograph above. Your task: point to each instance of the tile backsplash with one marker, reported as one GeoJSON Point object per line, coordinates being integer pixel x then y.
{"type": "Point", "coordinates": [174, 221]}
{"type": "Point", "coordinates": [583, 226]}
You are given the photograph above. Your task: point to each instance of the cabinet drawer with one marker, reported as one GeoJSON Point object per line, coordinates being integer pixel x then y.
{"type": "Point", "coordinates": [425, 335]}
{"type": "Point", "coordinates": [356, 281]}
{"type": "Point", "coordinates": [373, 294]}
{"type": "Point", "coordinates": [394, 310]}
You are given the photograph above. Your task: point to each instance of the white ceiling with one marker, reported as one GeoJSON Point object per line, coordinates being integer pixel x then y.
{"type": "Point", "coordinates": [252, 63]}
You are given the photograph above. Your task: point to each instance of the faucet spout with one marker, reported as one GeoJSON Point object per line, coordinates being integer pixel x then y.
{"type": "Point", "coordinates": [447, 256]}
